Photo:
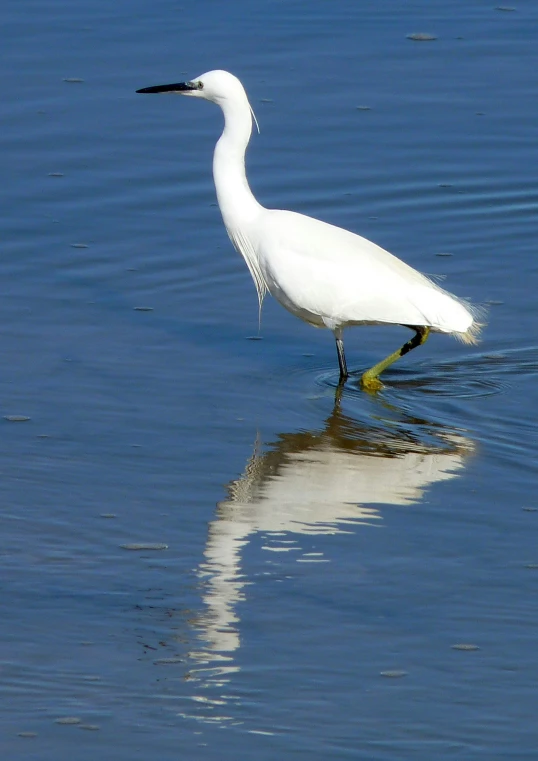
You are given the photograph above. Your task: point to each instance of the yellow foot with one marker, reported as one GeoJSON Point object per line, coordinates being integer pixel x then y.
{"type": "Point", "coordinates": [371, 383]}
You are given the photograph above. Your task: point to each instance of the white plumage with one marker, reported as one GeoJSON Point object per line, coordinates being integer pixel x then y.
{"type": "Point", "coordinates": [325, 275]}
{"type": "Point", "coordinates": [360, 283]}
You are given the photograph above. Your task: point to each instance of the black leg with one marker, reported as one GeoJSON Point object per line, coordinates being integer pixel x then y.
{"type": "Point", "coordinates": [344, 375]}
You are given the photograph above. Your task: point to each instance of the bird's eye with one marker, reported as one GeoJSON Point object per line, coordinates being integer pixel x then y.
{"type": "Point", "coordinates": [199, 85]}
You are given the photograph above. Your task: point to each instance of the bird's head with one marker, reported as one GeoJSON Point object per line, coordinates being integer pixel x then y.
{"type": "Point", "coordinates": [216, 86]}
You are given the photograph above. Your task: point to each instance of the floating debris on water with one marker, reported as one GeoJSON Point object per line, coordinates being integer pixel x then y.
{"type": "Point", "coordinates": [17, 418]}
{"type": "Point", "coordinates": [79, 245]}
{"type": "Point", "coordinates": [444, 253]}
{"type": "Point", "coordinates": [27, 734]}
{"type": "Point", "coordinates": [363, 108]}
{"type": "Point", "coordinates": [144, 546]}
{"type": "Point", "coordinates": [143, 309]}
{"type": "Point", "coordinates": [89, 727]}
{"type": "Point", "coordinates": [421, 37]}
{"type": "Point", "coordinates": [530, 509]}
{"type": "Point", "coordinates": [108, 515]}
{"type": "Point", "coordinates": [67, 720]}
{"type": "Point", "coordinates": [167, 661]}
{"type": "Point", "coordinates": [55, 174]}
{"type": "Point", "coordinates": [464, 646]}
{"type": "Point", "coordinates": [395, 674]}
{"type": "Point", "coordinates": [73, 80]}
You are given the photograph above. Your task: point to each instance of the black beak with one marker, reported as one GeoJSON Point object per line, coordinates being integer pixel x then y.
{"type": "Point", "coordinates": [178, 87]}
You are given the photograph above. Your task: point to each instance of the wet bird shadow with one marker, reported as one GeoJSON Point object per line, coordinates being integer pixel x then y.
{"type": "Point", "coordinates": [340, 477]}
{"type": "Point", "coordinates": [328, 481]}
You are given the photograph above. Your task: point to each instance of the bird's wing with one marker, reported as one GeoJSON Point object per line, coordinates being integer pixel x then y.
{"type": "Point", "coordinates": [344, 278]}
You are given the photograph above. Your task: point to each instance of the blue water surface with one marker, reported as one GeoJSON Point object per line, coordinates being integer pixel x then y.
{"type": "Point", "coordinates": [205, 552]}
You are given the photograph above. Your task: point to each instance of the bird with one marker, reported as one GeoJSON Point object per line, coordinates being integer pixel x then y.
{"type": "Point", "coordinates": [326, 275]}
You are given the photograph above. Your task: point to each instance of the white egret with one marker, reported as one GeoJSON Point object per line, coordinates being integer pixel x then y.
{"type": "Point", "coordinates": [327, 276]}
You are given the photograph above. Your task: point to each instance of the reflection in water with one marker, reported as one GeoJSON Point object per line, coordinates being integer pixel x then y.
{"type": "Point", "coordinates": [310, 483]}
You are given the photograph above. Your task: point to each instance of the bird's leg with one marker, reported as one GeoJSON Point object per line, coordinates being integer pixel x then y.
{"type": "Point", "coordinates": [370, 380]}
{"type": "Point", "coordinates": [338, 393]}
{"type": "Point", "coordinates": [341, 358]}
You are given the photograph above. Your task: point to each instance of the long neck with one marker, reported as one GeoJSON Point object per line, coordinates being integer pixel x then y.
{"type": "Point", "coordinates": [234, 195]}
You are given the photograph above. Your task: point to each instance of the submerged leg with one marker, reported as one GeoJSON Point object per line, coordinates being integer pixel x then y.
{"type": "Point", "coordinates": [341, 356]}
{"type": "Point", "coordinates": [370, 380]}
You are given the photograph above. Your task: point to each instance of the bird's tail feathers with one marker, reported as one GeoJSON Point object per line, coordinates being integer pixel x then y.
{"type": "Point", "coordinates": [460, 318]}
{"type": "Point", "coordinates": [472, 334]}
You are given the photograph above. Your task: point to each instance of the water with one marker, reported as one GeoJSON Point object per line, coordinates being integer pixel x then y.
{"type": "Point", "coordinates": [203, 554]}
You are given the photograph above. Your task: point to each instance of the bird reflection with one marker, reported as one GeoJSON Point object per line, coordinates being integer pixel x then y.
{"type": "Point", "coordinates": [311, 482]}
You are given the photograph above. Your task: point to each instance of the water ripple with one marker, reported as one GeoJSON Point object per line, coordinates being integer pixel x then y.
{"type": "Point", "coordinates": [476, 375]}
